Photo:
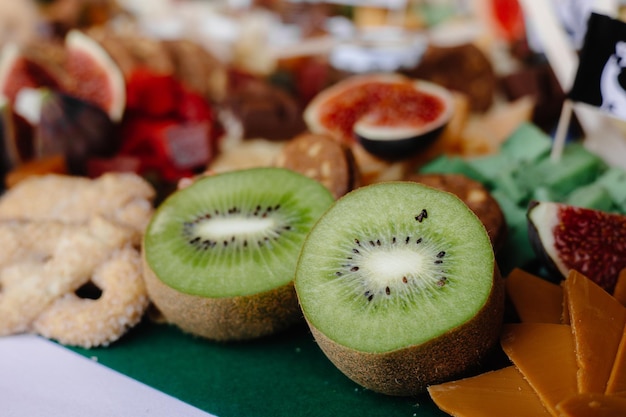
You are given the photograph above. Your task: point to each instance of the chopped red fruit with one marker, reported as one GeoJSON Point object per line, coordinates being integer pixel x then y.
{"type": "Point", "coordinates": [174, 149]}
{"type": "Point", "coordinates": [152, 94]}
{"type": "Point", "coordinates": [193, 107]}
{"type": "Point", "coordinates": [187, 144]}
{"type": "Point", "coordinates": [120, 163]}
{"type": "Point", "coordinates": [168, 132]}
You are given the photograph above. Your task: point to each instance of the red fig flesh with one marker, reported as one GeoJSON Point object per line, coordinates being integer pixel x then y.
{"type": "Point", "coordinates": [566, 237]}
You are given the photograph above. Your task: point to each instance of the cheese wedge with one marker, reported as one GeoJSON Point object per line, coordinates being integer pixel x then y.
{"type": "Point", "coordinates": [617, 380]}
{"type": "Point", "coordinates": [620, 287]}
{"type": "Point", "coordinates": [597, 321]}
{"type": "Point", "coordinates": [535, 299]}
{"type": "Point", "coordinates": [493, 393]}
{"type": "Point", "coordinates": [544, 354]}
{"type": "Point", "coordinates": [593, 405]}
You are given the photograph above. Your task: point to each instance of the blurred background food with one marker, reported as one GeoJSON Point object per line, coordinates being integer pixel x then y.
{"type": "Point", "coordinates": [170, 89]}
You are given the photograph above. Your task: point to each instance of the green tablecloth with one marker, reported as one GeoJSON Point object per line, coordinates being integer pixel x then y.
{"type": "Point", "coordinates": [282, 375]}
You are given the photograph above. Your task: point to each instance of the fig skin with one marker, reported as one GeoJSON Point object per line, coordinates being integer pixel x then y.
{"type": "Point", "coordinates": [400, 143]}
{"type": "Point", "coordinates": [602, 268]}
{"type": "Point", "coordinates": [538, 246]}
{"type": "Point", "coordinates": [398, 149]}
{"type": "Point", "coordinates": [409, 371]}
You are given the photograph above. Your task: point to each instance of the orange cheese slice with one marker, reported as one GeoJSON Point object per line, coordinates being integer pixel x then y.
{"type": "Point", "coordinates": [617, 380]}
{"type": "Point", "coordinates": [620, 287]}
{"type": "Point", "coordinates": [597, 320]}
{"type": "Point", "coordinates": [593, 405]}
{"type": "Point", "coordinates": [494, 393]}
{"type": "Point", "coordinates": [535, 299]}
{"type": "Point", "coordinates": [544, 354]}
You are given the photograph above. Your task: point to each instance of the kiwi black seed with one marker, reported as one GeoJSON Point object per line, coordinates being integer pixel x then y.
{"type": "Point", "coordinates": [220, 255]}
{"type": "Point", "coordinates": [399, 285]}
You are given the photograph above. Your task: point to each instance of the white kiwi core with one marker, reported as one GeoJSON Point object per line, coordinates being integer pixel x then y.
{"type": "Point", "coordinates": [388, 265]}
{"type": "Point", "coordinates": [219, 229]}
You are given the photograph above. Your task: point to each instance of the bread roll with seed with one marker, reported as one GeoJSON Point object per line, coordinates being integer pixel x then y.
{"type": "Point", "coordinates": [323, 159]}
{"type": "Point", "coordinates": [475, 196]}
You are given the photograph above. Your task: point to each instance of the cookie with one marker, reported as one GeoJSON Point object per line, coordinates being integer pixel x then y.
{"type": "Point", "coordinates": [43, 261]}
{"type": "Point", "coordinates": [62, 234]}
{"type": "Point", "coordinates": [121, 300]}
{"type": "Point", "coordinates": [323, 159]}
{"type": "Point", "coordinates": [477, 198]}
{"type": "Point", "coordinates": [122, 197]}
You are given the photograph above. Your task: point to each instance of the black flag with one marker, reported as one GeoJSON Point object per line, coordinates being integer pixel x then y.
{"type": "Point", "coordinates": [601, 77]}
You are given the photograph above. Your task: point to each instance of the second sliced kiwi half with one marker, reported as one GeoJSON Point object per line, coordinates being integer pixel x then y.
{"type": "Point", "coordinates": [400, 288]}
{"type": "Point", "coordinates": [220, 255]}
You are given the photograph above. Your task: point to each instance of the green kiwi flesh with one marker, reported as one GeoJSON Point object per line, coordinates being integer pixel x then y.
{"type": "Point", "coordinates": [220, 255]}
{"type": "Point", "coordinates": [399, 285]}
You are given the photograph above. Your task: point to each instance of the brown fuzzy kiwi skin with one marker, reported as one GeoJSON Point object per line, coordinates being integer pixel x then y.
{"type": "Point", "coordinates": [409, 371]}
{"type": "Point", "coordinates": [225, 319]}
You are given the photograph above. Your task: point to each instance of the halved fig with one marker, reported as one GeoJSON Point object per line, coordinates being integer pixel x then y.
{"type": "Point", "coordinates": [391, 115]}
{"type": "Point", "coordinates": [75, 128]}
{"type": "Point", "coordinates": [566, 237]}
{"type": "Point", "coordinates": [98, 78]}
{"type": "Point", "coordinates": [23, 67]}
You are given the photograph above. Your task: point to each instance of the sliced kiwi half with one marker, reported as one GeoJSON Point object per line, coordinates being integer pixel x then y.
{"type": "Point", "coordinates": [400, 288]}
{"type": "Point", "coordinates": [220, 255]}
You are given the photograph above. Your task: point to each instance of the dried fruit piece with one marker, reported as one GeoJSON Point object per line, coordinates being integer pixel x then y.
{"type": "Point", "coordinates": [567, 237]}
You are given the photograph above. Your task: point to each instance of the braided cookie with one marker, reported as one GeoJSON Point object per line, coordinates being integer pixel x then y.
{"type": "Point", "coordinates": [61, 235]}
{"type": "Point", "coordinates": [49, 259]}
{"type": "Point", "coordinates": [121, 197]}
{"type": "Point", "coordinates": [97, 322]}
